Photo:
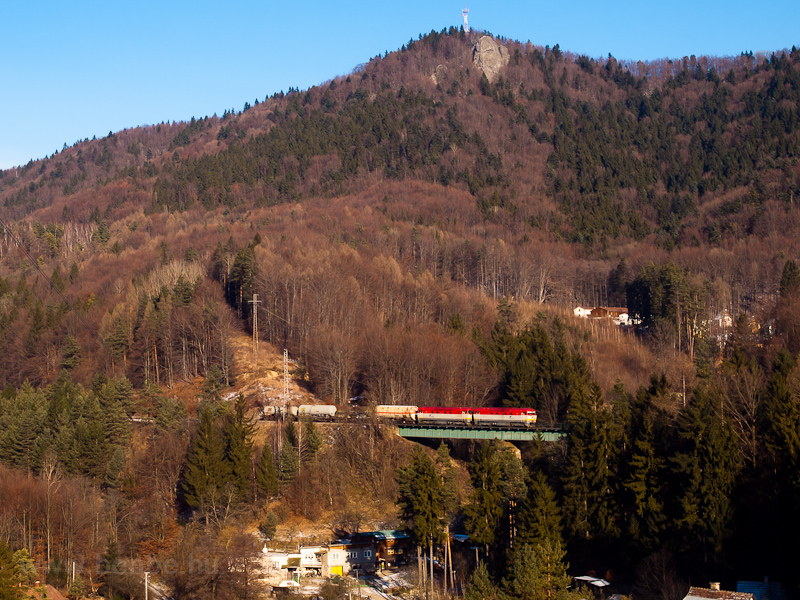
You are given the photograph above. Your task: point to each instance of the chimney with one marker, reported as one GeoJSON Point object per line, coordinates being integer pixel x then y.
{"type": "Point", "coordinates": [714, 585]}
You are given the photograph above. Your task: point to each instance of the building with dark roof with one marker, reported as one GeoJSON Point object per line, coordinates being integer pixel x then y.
{"type": "Point", "coordinates": [391, 545]}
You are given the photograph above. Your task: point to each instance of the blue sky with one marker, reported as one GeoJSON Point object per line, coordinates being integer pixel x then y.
{"type": "Point", "coordinates": [74, 70]}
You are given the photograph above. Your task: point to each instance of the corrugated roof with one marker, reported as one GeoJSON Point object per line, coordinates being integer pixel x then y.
{"type": "Point", "coordinates": [698, 593]}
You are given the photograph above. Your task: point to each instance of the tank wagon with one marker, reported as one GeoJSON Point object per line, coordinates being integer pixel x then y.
{"type": "Point", "coordinates": [317, 411]}
{"type": "Point", "coordinates": [273, 411]}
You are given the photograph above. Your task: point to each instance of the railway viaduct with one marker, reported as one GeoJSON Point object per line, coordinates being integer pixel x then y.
{"type": "Point", "coordinates": [551, 433]}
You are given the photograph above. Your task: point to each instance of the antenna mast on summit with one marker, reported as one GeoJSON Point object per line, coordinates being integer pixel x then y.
{"type": "Point", "coordinates": [465, 14]}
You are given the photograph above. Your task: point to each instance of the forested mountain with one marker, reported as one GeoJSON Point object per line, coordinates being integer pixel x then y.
{"type": "Point", "coordinates": [418, 203]}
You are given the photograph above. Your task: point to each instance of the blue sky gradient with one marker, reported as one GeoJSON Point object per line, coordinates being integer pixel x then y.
{"type": "Point", "coordinates": [76, 70]}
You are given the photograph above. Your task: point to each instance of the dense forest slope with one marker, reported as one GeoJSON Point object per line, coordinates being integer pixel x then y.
{"type": "Point", "coordinates": [558, 182]}
{"type": "Point", "coordinates": [417, 204]}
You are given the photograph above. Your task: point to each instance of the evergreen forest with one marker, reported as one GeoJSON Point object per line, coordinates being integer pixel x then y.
{"type": "Point", "coordinates": [416, 204]}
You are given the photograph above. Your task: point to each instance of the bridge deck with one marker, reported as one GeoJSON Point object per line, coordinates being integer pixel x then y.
{"type": "Point", "coordinates": [473, 433]}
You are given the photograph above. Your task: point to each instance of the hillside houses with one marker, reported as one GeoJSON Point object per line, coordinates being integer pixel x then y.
{"type": "Point", "coordinates": [617, 314]}
{"type": "Point", "coordinates": [365, 552]}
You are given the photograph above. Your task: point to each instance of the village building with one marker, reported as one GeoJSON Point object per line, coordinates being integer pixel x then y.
{"type": "Point", "coordinates": [617, 314]}
{"type": "Point", "coordinates": [347, 555]}
{"type": "Point", "coordinates": [364, 552]}
{"type": "Point", "coordinates": [715, 593]}
{"type": "Point", "coordinates": [391, 546]}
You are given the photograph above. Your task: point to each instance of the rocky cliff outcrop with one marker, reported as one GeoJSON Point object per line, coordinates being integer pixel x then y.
{"type": "Point", "coordinates": [439, 74]}
{"type": "Point", "coordinates": [490, 57]}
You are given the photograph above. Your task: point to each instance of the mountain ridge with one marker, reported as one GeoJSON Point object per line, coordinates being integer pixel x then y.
{"type": "Point", "coordinates": [558, 183]}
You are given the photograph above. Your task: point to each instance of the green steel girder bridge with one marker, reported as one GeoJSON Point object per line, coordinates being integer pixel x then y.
{"type": "Point", "coordinates": [545, 433]}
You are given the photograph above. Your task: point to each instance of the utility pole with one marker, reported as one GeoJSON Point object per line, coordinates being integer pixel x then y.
{"type": "Point", "coordinates": [255, 302]}
{"type": "Point", "coordinates": [419, 570]}
{"type": "Point", "coordinates": [280, 414]}
{"type": "Point", "coordinates": [286, 377]}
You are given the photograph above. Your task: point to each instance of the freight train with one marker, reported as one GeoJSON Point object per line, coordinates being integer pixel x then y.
{"type": "Point", "coordinates": [423, 415]}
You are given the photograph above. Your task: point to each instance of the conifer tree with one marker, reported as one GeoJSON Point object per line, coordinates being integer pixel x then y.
{"type": "Point", "coordinates": [589, 475]}
{"type": "Point", "coordinates": [213, 385]}
{"type": "Point", "coordinates": [483, 514]}
{"type": "Point", "coordinates": [288, 463]}
{"type": "Point", "coordinates": [71, 354]}
{"type": "Point", "coordinates": [239, 432]}
{"type": "Point", "coordinates": [603, 445]}
{"type": "Point", "coordinates": [24, 435]}
{"type": "Point", "coordinates": [76, 588]}
{"type": "Point", "coordinates": [704, 467]}
{"type": "Point", "coordinates": [576, 472]}
{"type": "Point", "coordinates": [117, 425]}
{"type": "Point", "coordinates": [643, 483]}
{"type": "Point", "coordinates": [92, 444]}
{"type": "Point", "coordinates": [169, 413]}
{"type": "Point", "coordinates": [778, 474]}
{"type": "Point", "coordinates": [110, 566]}
{"type": "Point", "coordinates": [119, 340]}
{"type": "Point", "coordinates": [447, 475]}
{"type": "Point", "coordinates": [114, 467]}
{"type": "Point", "coordinates": [24, 567]}
{"type": "Point", "coordinates": [790, 279]}
{"type": "Point", "coordinates": [780, 414]}
{"type": "Point", "coordinates": [266, 475]}
{"type": "Point", "coordinates": [420, 497]}
{"type": "Point", "coordinates": [269, 525]}
{"type": "Point", "coordinates": [480, 586]}
{"type": "Point", "coordinates": [206, 468]}
{"type": "Point", "coordinates": [8, 580]}
{"type": "Point", "coordinates": [540, 517]}
{"type": "Point", "coordinates": [291, 434]}
{"type": "Point", "coordinates": [123, 394]}
{"type": "Point", "coordinates": [539, 573]}
{"type": "Point", "coordinates": [312, 439]}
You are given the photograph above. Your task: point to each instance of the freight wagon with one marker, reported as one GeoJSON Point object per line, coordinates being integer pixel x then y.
{"type": "Point", "coordinates": [318, 411]}
{"type": "Point", "coordinates": [390, 411]}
